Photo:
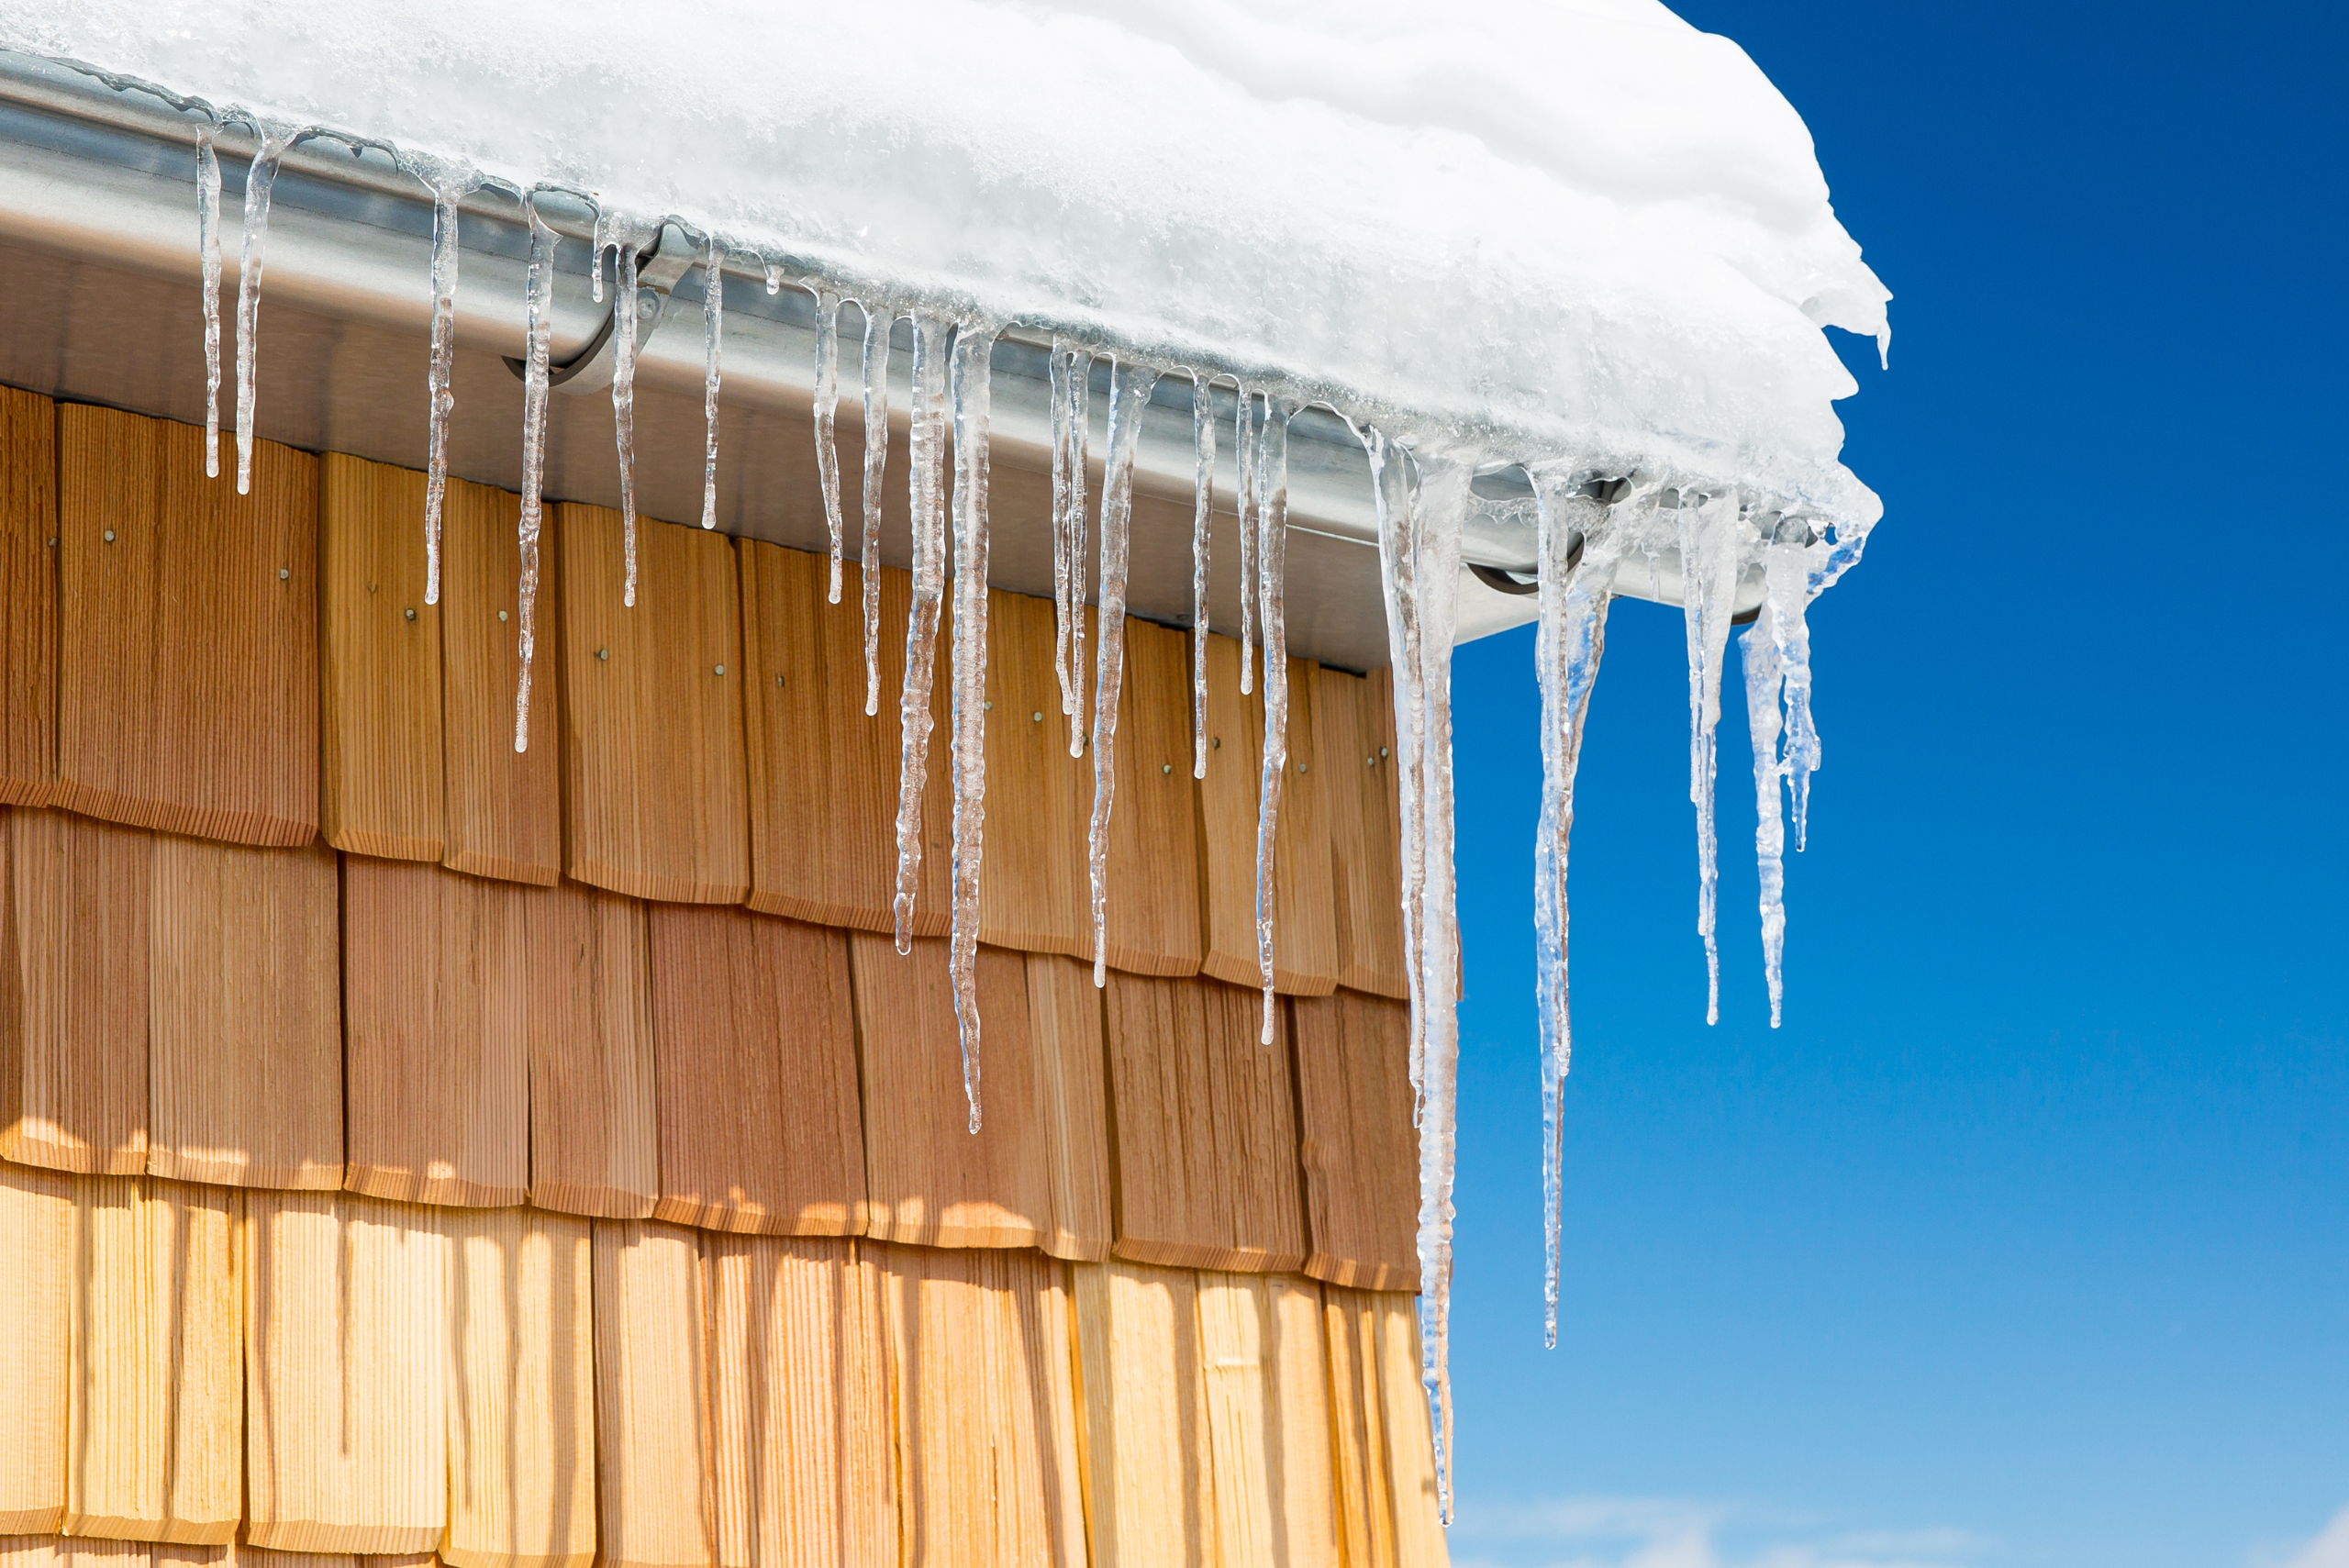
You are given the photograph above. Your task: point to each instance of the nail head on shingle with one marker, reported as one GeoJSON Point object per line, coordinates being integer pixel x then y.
{"type": "Point", "coordinates": [411, 615]}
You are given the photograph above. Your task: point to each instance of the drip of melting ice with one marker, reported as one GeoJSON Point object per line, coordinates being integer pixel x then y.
{"type": "Point", "coordinates": [1271, 560]}
{"type": "Point", "coordinates": [1202, 509]}
{"type": "Point", "coordinates": [259, 179]}
{"type": "Point", "coordinates": [713, 330]}
{"type": "Point", "coordinates": [828, 409]}
{"type": "Point", "coordinates": [208, 249]}
{"type": "Point", "coordinates": [1763, 678]}
{"type": "Point", "coordinates": [970, 388]}
{"type": "Point", "coordinates": [625, 238]}
{"type": "Point", "coordinates": [1708, 534]}
{"type": "Point", "coordinates": [1071, 383]}
{"type": "Point", "coordinates": [877, 317]}
{"type": "Point", "coordinates": [927, 445]}
{"type": "Point", "coordinates": [1576, 550]}
{"type": "Point", "coordinates": [539, 329]}
{"type": "Point", "coordinates": [1243, 448]}
{"type": "Point", "coordinates": [1130, 389]}
{"type": "Point", "coordinates": [450, 181]}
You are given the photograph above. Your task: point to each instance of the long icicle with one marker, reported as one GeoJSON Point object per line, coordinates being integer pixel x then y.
{"type": "Point", "coordinates": [1765, 679]}
{"type": "Point", "coordinates": [971, 391]}
{"type": "Point", "coordinates": [1130, 389]}
{"type": "Point", "coordinates": [1271, 566]}
{"type": "Point", "coordinates": [1070, 628]}
{"type": "Point", "coordinates": [1391, 494]}
{"type": "Point", "coordinates": [1709, 540]}
{"type": "Point", "coordinates": [1570, 637]}
{"type": "Point", "coordinates": [624, 237]}
{"type": "Point", "coordinates": [251, 248]}
{"type": "Point", "coordinates": [877, 317]}
{"type": "Point", "coordinates": [1202, 514]}
{"type": "Point", "coordinates": [1790, 583]}
{"type": "Point", "coordinates": [1243, 444]}
{"type": "Point", "coordinates": [927, 445]}
{"type": "Point", "coordinates": [207, 250]}
{"type": "Point", "coordinates": [828, 411]}
{"type": "Point", "coordinates": [539, 328]}
{"type": "Point", "coordinates": [713, 337]}
{"type": "Point", "coordinates": [1067, 370]}
{"type": "Point", "coordinates": [450, 181]}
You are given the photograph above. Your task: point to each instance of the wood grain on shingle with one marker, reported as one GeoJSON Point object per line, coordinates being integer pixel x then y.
{"type": "Point", "coordinates": [522, 1398]}
{"type": "Point", "coordinates": [73, 995]}
{"type": "Point", "coordinates": [1304, 942]}
{"type": "Point", "coordinates": [1360, 1456]}
{"type": "Point", "coordinates": [1035, 896]}
{"type": "Point", "coordinates": [245, 1014]}
{"type": "Point", "coordinates": [655, 790]}
{"type": "Point", "coordinates": [806, 1467]}
{"type": "Point", "coordinates": [155, 1438]}
{"type": "Point", "coordinates": [379, 767]}
{"type": "Point", "coordinates": [754, 1054]}
{"type": "Point", "coordinates": [982, 1360]}
{"type": "Point", "coordinates": [27, 598]}
{"type": "Point", "coordinates": [1361, 1152]}
{"type": "Point", "coordinates": [1205, 1128]}
{"type": "Point", "coordinates": [1354, 723]}
{"type": "Point", "coordinates": [503, 806]}
{"type": "Point", "coordinates": [1064, 1022]}
{"type": "Point", "coordinates": [36, 1237]}
{"type": "Point", "coordinates": [823, 775]}
{"type": "Point", "coordinates": [1410, 1450]}
{"type": "Point", "coordinates": [1154, 868]}
{"type": "Point", "coordinates": [931, 1179]}
{"type": "Point", "coordinates": [1262, 1357]}
{"type": "Point", "coordinates": [656, 1507]}
{"type": "Point", "coordinates": [187, 661]}
{"type": "Point", "coordinates": [346, 1373]}
{"type": "Point", "coordinates": [436, 1050]}
{"type": "Point", "coordinates": [1148, 1460]}
{"type": "Point", "coordinates": [595, 1134]}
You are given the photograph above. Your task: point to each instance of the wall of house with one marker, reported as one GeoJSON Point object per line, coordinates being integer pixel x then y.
{"type": "Point", "coordinates": [410, 1146]}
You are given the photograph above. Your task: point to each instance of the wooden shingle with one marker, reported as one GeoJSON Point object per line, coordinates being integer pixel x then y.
{"type": "Point", "coordinates": [1361, 1152]}
{"type": "Point", "coordinates": [245, 1014]}
{"type": "Point", "coordinates": [36, 1237]}
{"type": "Point", "coordinates": [188, 664]}
{"type": "Point", "coordinates": [1359, 1451]}
{"type": "Point", "coordinates": [1262, 1357]}
{"type": "Point", "coordinates": [1149, 1462]}
{"type": "Point", "coordinates": [378, 769]}
{"type": "Point", "coordinates": [1034, 894]}
{"type": "Point", "coordinates": [1154, 868]}
{"type": "Point", "coordinates": [1410, 1450]}
{"type": "Point", "coordinates": [1355, 734]}
{"type": "Point", "coordinates": [1064, 1023]}
{"type": "Point", "coordinates": [73, 995]}
{"type": "Point", "coordinates": [656, 1508]}
{"type": "Point", "coordinates": [595, 1134]}
{"type": "Point", "coordinates": [655, 790]}
{"type": "Point", "coordinates": [436, 1050]}
{"type": "Point", "coordinates": [27, 598]}
{"type": "Point", "coordinates": [754, 1054]}
{"type": "Point", "coordinates": [155, 1446]}
{"type": "Point", "coordinates": [503, 806]}
{"type": "Point", "coordinates": [1205, 1128]}
{"type": "Point", "coordinates": [823, 776]}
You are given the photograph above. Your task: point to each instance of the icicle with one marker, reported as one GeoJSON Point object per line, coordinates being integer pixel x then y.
{"type": "Point", "coordinates": [926, 447]}
{"type": "Point", "coordinates": [539, 331]}
{"type": "Point", "coordinates": [1787, 571]}
{"type": "Point", "coordinates": [1271, 560]}
{"type": "Point", "coordinates": [713, 330]}
{"type": "Point", "coordinates": [1571, 636]}
{"type": "Point", "coordinates": [450, 181]}
{"type": "Point", "coordinates": [1130, 389]}
{"type": "Point", "coordinates": [876, 460]}
{"type": "Point", "coordinates": [207, 250]}
{"type": "Point", "coordinates": [1243, 441]}
{"type": "Point", "coordinates": [828, 409]}
{"type": "Point", "coordinates": [625, 238]}
{"type": "Point", "coordinates": [1708, 541]}
{"type": "Point", "coordinates": [1765, 675]}
{"type": "Point", "coordinates": [1072, 433]}
{"type": "Point", "coordinates": [1391, 494]}
{"type": "Point", "coordinates": [274, 140]}
{"type": "Point", "coordinates": [1202, 509]}
{"type": "Point", "coordinates": [971, 391]}
{"type": "Point", "coordinates": [775, 276]}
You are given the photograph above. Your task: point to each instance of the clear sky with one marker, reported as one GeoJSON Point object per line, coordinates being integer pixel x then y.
{"type": "Point", "coordinates": [2026, 1241]}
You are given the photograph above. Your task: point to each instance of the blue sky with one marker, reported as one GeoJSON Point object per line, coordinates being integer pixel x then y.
{"type": "Point", "coordinates": [2026, 1241]}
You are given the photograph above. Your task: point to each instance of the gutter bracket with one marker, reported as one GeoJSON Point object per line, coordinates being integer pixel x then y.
{"type": "Point", "coordinates": [659, 268]}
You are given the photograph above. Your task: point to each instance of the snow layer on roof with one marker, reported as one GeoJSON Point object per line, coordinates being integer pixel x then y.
{"type": "Point", "coordinates": [1580, 228]}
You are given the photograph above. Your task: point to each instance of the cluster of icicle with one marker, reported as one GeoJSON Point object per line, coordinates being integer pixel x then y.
{"type": "Point", "coordinates": [1593, 527]}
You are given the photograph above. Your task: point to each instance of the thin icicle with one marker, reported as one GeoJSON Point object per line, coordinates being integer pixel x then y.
{"type": "Point", "coordinates": [1130, 389]}
{"type": "Point", "coordinates": [1071, 383]}
{"type": "Point", "coordinates": [876, 460]}
{"type": "Point", "coordinates": [1272, 563]}
{"type": "Point", "coordinates": [926, 447]}
{"type": "Point", "coordinates": [1243, 441]}
{"type": "Point", "coordinates": [1571, 636]}
{"type": "Point", "coordinates": [1391, 494]}
{"type": "Point", "coordinates": [1708, 551]}
{"type": "Point", "coordinates": [539, 329]}
{"type": "Point", "coordinates": [450, 181]}
{"type": "Point", "coordinates": [259, 179]}
{"type": "Point", "coordinates": [775, 276]}
{"type": "Point", "coordinates": [624, 237]}
{"type": "Point", "coordinates": [1764, 676]}
{"type": "Point", "coordinates": [1202, 510]}
{"type": "Point", "coordinates": [1786, 570]}
{"type": "Point", "coordinates": [827, 410]}
{"type": "Point", "coordinates": [713, 332]}
{"type": "Point", "coordinates": [207, 250]}
{"type": "Point", "coordinates": [970, 388]}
